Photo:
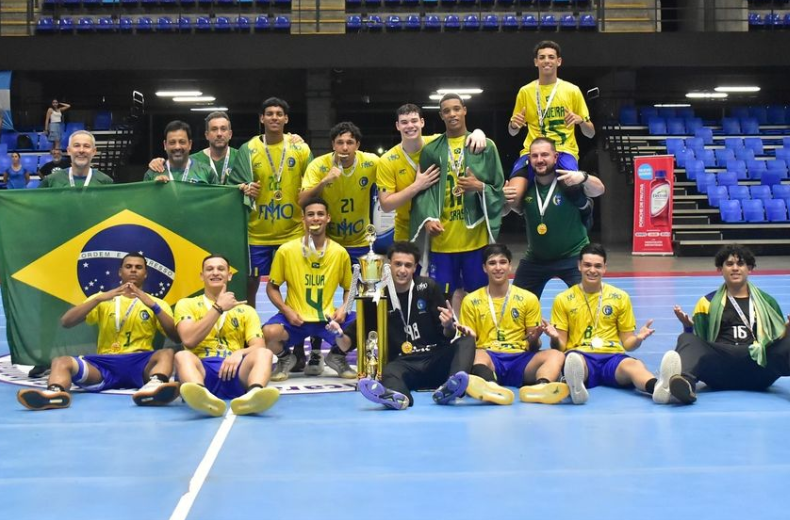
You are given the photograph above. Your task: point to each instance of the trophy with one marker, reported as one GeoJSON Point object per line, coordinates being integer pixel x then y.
{"type": "Point", "coordinates": [371, 265]}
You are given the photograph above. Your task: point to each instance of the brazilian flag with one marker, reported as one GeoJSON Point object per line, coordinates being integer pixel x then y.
{"type": "Point", "coordinates": [60, 245]}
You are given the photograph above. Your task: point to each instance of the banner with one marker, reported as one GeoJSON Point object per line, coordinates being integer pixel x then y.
{"type": "Point", "coordinates": [60, 245]}
{"type": "Point", "coordinates": [654, 180]}
{"type": "Point", "coordinates": [5, 101]}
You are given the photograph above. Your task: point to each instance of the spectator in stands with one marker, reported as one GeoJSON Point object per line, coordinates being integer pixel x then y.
{"type": "Point", "coordinates": [81, 149]}
{"type": "Point", "coordinates": [16, 177]}
{"type": "Point", "coordinates": [53, 122]}
{"type": "Point", "coordinates": [737, 338]}
{"type": "Point", "coordinates": [555, 228]}
{"type": "Point", "coordinates": [58, 162]}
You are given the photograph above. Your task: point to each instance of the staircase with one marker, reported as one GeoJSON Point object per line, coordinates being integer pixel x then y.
{"type": "Point", "coordinates": [636, 16]}
{"type": "Point", "coordinates": [13, 18]}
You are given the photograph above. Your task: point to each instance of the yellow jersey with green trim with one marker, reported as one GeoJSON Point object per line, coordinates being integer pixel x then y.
{"type": "Point", "coordinates": [136, 326]}
{"type": "Point", "coordinates": [273, 221]}
{"type": "Point", "coordinates": [396, 173]}
{"type": "Point", "coordinates": [457, 238]}
{"type": "Point", "coordinates": [568, 96]}
{"type": "Point", "coordinates": [577, 313]}
{"type": "Point", "coordinates": [312, 278]}
{"type": "Point", "coordinates": [521, 312]}
{"type": "Point", "coordinates": [233, 331]}
{"type": "Point", "coordinates": [348, 196]}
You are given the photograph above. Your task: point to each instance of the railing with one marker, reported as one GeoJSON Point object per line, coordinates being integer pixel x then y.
{"type": "Point", "coordinates": [618, 143]}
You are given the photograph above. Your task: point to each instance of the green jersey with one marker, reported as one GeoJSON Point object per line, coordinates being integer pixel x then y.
{"type": "Point", "coordinates": [195, 172]}
{"type": "Point", "coordinates": [60, 179]}
{"type": "Point", "coordinates": [222, 167]}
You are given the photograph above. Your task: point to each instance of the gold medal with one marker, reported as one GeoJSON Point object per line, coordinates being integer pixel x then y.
{"type": "Point", "coordinates": [406, 347]}
{"type": "Point", "coordinates": [596, 342]}
{"type": "Point", "coordinates": [278, 195]}
{"type": "Point", "coordinates": [458, 191]}
{"type": "Point", "coordinates": [542, 229]}
{"type": "Point", "coordinates": [115, 347]}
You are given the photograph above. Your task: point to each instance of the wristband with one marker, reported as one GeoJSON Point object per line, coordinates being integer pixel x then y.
{"type": "Point", "coordinates": [688, 329]}
{"type": "Point", "coordinates": [586, 176]}
{"type": "Point", "coordinates": [156, 308]}
{"type": "Point", "coordinates": [217, 308]}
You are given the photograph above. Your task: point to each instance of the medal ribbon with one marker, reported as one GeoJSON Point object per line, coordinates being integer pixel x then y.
{"type": "Point", "coordinates": [280, 169]}
{"type": "Point", "coordinates": [502, 311]}
{"type": "Point", "coordinates": [119, 323]}
{"type": "Point", "coordinates": [455, 165]}
{"type": "Point", "coordinates": [598, 312]}
{"type": "Point", "coordinates": [87, 179]}
{"type": "Point", "coordinates": [311, 249]}
{"type": "Point", "coordinates": [542, 114]}
{"type": "Point", "coordinates": [407, 319]}
{"type": "Point", "coordinates": [214, 168]}
{"type": "Point", "coordinates": [185, 175]}
{"type": "Point", "coordinates": [408, 158]}
{"type": "Point", "coordinates": [542, 206]}
{"type": "Point", "coordinates": [749, 324]}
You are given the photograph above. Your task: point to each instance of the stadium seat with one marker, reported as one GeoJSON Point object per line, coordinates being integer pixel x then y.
{"type": "Point", "coordinates": [733, 143]}
{"type": "Point", "coordinates": [775, 210]}
{"type": "Point", "coordinates": [708, 158]}
{"type": "Point", "coordinates": [647, 113]}
{"type": "Point", "coordinates": [744, 154]}
{"type": "Point", "coordinates": [374, 23]}
{"type": "Point", "coordinates": [730, 211]}
{"type": "Point", "coordinates": [243, 24]}
{"type": "Point", "coordinates": [693, 124]}
{"type": "Point", "coordinates": [529, 22]}
{"type": "Point", "coordinates": [548, 22]}
{"type": "Point", "coordinates": [43, 142]}
{"type": "Point", "coordinates": [29, 162]}
{"type": "Point", "coordinates": [451, 22]}
{"type": "Point", "coordinates": [125, 24]}
{"type": "Point", "coordinates": [105, 24]}
{"type": "Point", "coordinates": [33, 183]}
{"type": "Point", "coordinates": [432, 23]}
{"type": "Point", "coordinates": [760, 113]}
{"type": "Point", "coordinates": [203, 24]}
{"type": "Point", "coordinates": [782, 153]}
{"type": "Point", "coordinates": [491, 22]}
{"type": "Point", "coordinates": [222, 24]}
{"type": "Point", "coordinates": [696, 144]}
{"type": "Point", "coordinates": [777, 114]}
{"type": "Point", "coordinates": [145, 24]}
{"type": "Point", "coordinates": [777, 165]}
{"type": "Point", "coordinates": [471, 22]}
{"type": "Point", "coordinates": [628, 117]}
{"type": "Point", "coordinates": [703, 132]}
{"type": "Point", "coordinates": [755, 168]}
{"type": "Point", "coordinates": [786, 140]}
{"type": "Point", "coordinates": [727, 179]}
{"type": "Point", "coordinates": [737, 192]}
{"type": "Point", "coordinates": [686, 113]}
{"type": "Point", "coordinates": [509, 22]}
{"type": "Point", "coordinates": [760, 191]}
{"type": "Point", "coordinates": [666, 112]}
{"type": "Point", "coordinates": [755, 144]}
{"type": "Point", "coordinates": [587, 23]}
{"type": "Point", "coordinates": [755, 22]}
{"type": "Point", "coordinates": [716, 194]}
{"type": "Point", "coordinates": [283, 23]}
{"type": "Point", "coordinates": [393, 23]}
{"type": "Point", "coordinates": [753, 210]}
{"type": "Point", "coordinates": [262, 23]}
{"type": "Point", "coordinates": [45, 25]}
{"type": "Point", "coordinates": [750, 126]}
{"type": "Point", "coordinates": [184, 24]}
{"type": "Point", "coordinates": [723, 155]}
{"type": "Point", "coordinates": [165, 24]}
{"type": "Point", "coordinates": [772, 20]}
{"type": "Point", "coordinates": [704, 181]}
{"type": "Point", "coordinates": [413, 22]}
{"type": "Point", "coordinates": [354, 23]}
{"type": "Point", "coordinates": [771, 177]}
{"type": "Point", "coordinates": [731, 125]}
{"type": "Point", "coordinates": [657, 126]}
{"type": "Point", "coordinates": [675, 145]}
{"type": "Point", "coordinates": [43, 159]}
{"type": "Point", "coordinates": [684, 156]}
{"type": "Point", "coordinates": [694, 168]}
{"type": "Point", "coordinates": [781, 191]}
{"type": "Point", "coordinates": [737, 166]}
{"type": "Point", "coordinates": [567, 22]}
{"type": "Point", "coordinates": [738, 112]}
{"type": "Point", "coordinates": [65, 24]}
{"type": "Point", "coordinates": [676, 126]}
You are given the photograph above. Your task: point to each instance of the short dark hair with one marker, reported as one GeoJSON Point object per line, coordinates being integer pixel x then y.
{"type": "Point", "coordinates": [408, 108]}
{"type": "Point", "coordinates": [405, 247]}
{"type": "Point", "coordinates": [275, 102]}
{"type": "Point", "coordinates": [593, 249]}
{"type": "Point", "coordinates": [175, 126]}
{"type": "Point", "coordinates": [214, 255]}
{"type": "Point", "coordinates": [738, 251]}
{"type": "Point", "coordinates": [547, 44]}
{"type": "Point", "coordinates": [451, 95]}
{"type": "Point", "coordinates": [544, 139]}
{"type": "Point", "coordinates": [315, 200]}
{"type": "Point", "coordinates": [343, 128]}
{"type": "Point", "coordinates": [217, 115]}
{"type": "Point", "coordinates": [135, 255]}
{"type": "Point", "coordinates": [496, 249]}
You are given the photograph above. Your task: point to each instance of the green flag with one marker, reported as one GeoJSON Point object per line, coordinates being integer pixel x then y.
{"type": "Point", "coordinates": [60, 245]}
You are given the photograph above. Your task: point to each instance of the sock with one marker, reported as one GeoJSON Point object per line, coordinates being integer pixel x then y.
{"type": "Point", "coordinates": [160, 377]}
{"type": "Point", "coordinates": [651, 385]}
{"type": "Point", "coordinates": [542, 381]}
{"type": "Point", "coordinates": [56, 388]}
{"type": "Point", "coordinates": [484, 372]}
{"type": "Point", "coordinates": [336, 350]}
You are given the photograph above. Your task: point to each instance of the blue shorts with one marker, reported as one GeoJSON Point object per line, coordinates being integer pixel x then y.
{"type": "Point", "coordinates": [565, 161]}
{"type": "Point", "coordinates": [261, 260]}
{"type": "Point", "coordinates": [601, 368]}
{"type": "Point", "coordinates": [222, 389]}
{"type": "Point", "coordinates": [297, 335]}
{"type": "Point", "coordinates": [454, 270]}
{"type": "Point", "coordinates": [509, 368]}
{"type": "Point", "coordinates": [117, 370]}
{"type": "Point", "coordinates": [356, 252]}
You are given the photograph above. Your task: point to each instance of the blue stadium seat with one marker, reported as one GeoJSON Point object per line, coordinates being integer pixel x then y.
{"type": "Point", "coordinates": [696, 144]}
{"type": "Point", "coordinates": [744, 154]}
{"type": "Point", "coordinates": [65, 24]}
{"type": "Point", "coordinates": [775, 210]}
{"type": "Point", "coordinates": [243, 24]}
{"type": "Point", "coordinates": [737, 192]}
{"type": "Point", "coordinates": [413, 22]}
{"type": "Point", "coordinates": [753, 210]}
{"type": "Point", "coordinates": [666, 112]}
{"type": "Point", "coordinates": [771, 177]}
{"type": "Point", "coordinates": [282, 22]}
{"type": "Point", "coordinates": [755, 22]}
{"type": "Point", "coordinates": [432, 23]}
{"type": "Point", "coordinates": [105, 24]}
{"type": "Point", "coordinates": [727, 179]}
{"type": "Point", "coordinates": [45, 25]}
{"type": "Point", "coordinates": [184, 24]}
{"type": "Point", "coordinates": [730, 211]}
{"type": "Point", "coordinates": [628, 116]}
{"type": "Point", "coordinates": [587, 23]}
{"type": "Point", "coordinates": [130, 3]}
{"type": "Point", "coordinates": [33, 183]}
{"type": "Point", "coordinates": [567, 22]}
{"type": "Point", "coordinates": [760, 191]}
{"type": "Point", "coordinates": [716, 194]}
{"type": "Point", "coordinates": [354, 23]}
{"type": "Point", "coordinates": [675, 145]}
{"type": "Point", "coordinates": [776, 114]}
{"type": "Point", "coordinates": [772, 20]}
{"type": "Point", "coordinates": [723, 155]}
{"type": "Point", "coordinates": [646, 114]}
{"type": "Point", "coordinates": [145, 24]}
{"type": "Point", "coordinates": [737, 166]}
{"type": "Point", "coordinates": [676, 126]}
{"type": "Point", "coordinates": [657, 126]}
{"type": "Point", "coordinates": [694, 169]}
{"type": "Point", "coordinates": [786, 140]}
{"type": "Point", "coordinates": [165, 24]}
{"type": "Point", "coordinates": [686, 113]}
{"type": "Point", "coordinates": [693, 124]}
{"type": "Point", "coordinates": [44, 159]}
{"type": "Point", "coordinates": [471, 23]}
{"type": "Point", "coordinates": [777, 165]}
{"type": "Point", "coordinates": [705, 181]}
{"type": "Point", "coordinates": [781, 191]}
{"type": "Point", "coordinates": [168, 3]}
{"type": "Point", "coordinates": [393, 23]}
{"type": "Point", "coordinates": [731, 125]}
{"type": "Point", "coordinates": [203, 24]}
{"type": "Point", "coordinates": [548, 22]}
{"type": "Point", "coordinates": [262, 23]}
{"type": "Point", "coordinates": [529, 22]}
{"type": "Point", "coordinates": [758, 112]}
{"type": "Point", "coordinates": [733, 143]}
{"type": "Point", "coordinates": [708, 158]}
{"type": "Point", "coordinates": [43, 142]}
{"type": "Point", "coordinates": [755, 168]}
{"type": "Point", "coordinates": [684, 156]}
{"type": "Point", "coordinates": [29, 162]}
{"type": "Point", "coordinates": [222, 24]}
{"type": "Point", "coordinates": [782, 153]}
{"type": "Point", "coordinates": [750, 126]}
{"type": "Point", "coordinates": [509, 22]}
{"type": "Point", "coordinates": [451, 22]}
{"type": "Point", "coordinates": [125, 24]}
{"type": "Point", "coordinates": [374, 22]}
{"type": "Point", "coordinates": [738, 112]}
{"type": "Point", "coordinates": [704, 133]}
{"type": "Point", "coordinates": [755, 144]}
{"type": "Point", "coordinates": [491, 22]}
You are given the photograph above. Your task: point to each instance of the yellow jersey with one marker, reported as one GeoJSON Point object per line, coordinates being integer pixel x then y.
{"type": "Point", "coordinates": [233, 330]}
{"type": "Point", "coordinates": [521, 312]}
{"type": "Point", "coordinates": [348, 197]}
{"type": "Point", "coordinates": [567, 96]}
{"type": "Point", "coordinates": [133, 330]}
{"type": "Point", "coordinates": [312, 278]}
{"type": "Point", "coordinates": [273, 221]}
{"type": "Point", "coordinates": [584, 318]}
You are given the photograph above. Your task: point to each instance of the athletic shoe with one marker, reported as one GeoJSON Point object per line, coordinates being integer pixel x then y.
{"type": "Point", "coordinates": [451, 389]}
{"type": "Point", "coordinates": [339, 364]}
{"type": "Point", "coordinates": [285, 362]}
{"type": "Point", "coordinates": [38, 371]}
{"type": "Point", "coordinates": [156, 393]}
{"type": "Point", "coordinates": [546, 393]}
{"type": "Point", "coordinates": [35, 399]}
{"type": "Point", "coordinates": [682, 389]}
{"type": "Point", "coordinates": [315, 365]}
{"type": "Point", "coordinates": [298, 367]}
{"type": "Point", "coordinates": [257, 400]}
{"type": "Point", "coordinates": [374, 391]}
{"type": "Point", "coordinates": [574, 376]}
{"type": "Point", "coordinates": [199, 398]}
{"type": "Point", "coordinates": [488, 391]}
{"type": "Point", "coordinates": [670, 366]}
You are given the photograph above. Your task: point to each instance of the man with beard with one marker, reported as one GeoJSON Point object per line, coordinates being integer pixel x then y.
{"type": "Point", "coordinates": [81, 149]}
{"type": "Point", "coordinates": [179, 166]}
{"type": "Point", "coordinates": [58, 162]}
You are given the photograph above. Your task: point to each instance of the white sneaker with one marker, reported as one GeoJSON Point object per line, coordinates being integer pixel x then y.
{"type": "Point", "coordinates": [574, 377]}
{"type": "Point", "coordinates": [670, 366]}
{"type": "Point", "coordinates": [156, 393]}
{"type": "Point", "coordinates": [315, 365]}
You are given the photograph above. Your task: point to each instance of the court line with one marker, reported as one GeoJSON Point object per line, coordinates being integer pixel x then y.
{"type": "Point", "coordinates": [199, 477]}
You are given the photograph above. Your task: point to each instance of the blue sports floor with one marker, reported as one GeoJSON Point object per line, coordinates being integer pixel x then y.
{"type": "Point", "coordinates": [337, 456]}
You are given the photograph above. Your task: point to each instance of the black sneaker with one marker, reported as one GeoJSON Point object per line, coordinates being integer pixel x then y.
{"type": "Point", "coordinates": [39, 371]}
{"type": "Point", "coordinates": [682, 389]}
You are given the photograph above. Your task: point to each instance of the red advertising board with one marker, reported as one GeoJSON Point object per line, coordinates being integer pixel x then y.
{"type": "Point", "coordinates": [654, 180]}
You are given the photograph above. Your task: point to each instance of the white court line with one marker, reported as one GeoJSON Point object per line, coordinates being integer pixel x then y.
{"type": "Point", "coordinates": [199, 477]}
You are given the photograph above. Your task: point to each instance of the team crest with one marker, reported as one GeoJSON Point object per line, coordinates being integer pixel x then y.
{"type": "Point", "coordinates": [557, 200]}
{"type": "Point", "coordinates": [235, 322]}
{"type": "Point", "coordinates": [291, 162]}
{"type": "Point", "coordinates": [421, 304]}
{"type": "Point", "coordinates": [144, 315]}
{"type": "Point", "coordinates": [363, 182]}
{"type": "Point", "coordinates": [607, 310]}
{"type": "Point", "coordinates": [514, 313]}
